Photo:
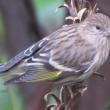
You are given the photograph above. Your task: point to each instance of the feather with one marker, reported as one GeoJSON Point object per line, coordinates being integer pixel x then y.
{"type": "Point", "coordinates": [65, 47]}
{"type": "Point", "coordinates": [35, 74]}
{"type": "Point", "coordinates": [22, 55]}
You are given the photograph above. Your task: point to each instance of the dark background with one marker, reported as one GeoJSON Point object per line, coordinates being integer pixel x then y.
{"type": "Point", "coordinates": [23, 22]}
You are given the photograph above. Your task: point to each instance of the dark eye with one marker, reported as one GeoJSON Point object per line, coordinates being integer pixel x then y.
{"type": "Point", "coordinates": [98, 27]}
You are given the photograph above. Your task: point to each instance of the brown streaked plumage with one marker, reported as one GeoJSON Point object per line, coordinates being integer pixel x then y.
{"type": "Point", "coordinates": [71, 54]}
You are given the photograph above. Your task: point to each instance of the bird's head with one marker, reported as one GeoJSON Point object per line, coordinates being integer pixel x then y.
{"type": "Point", "coordinates": [96, 29]}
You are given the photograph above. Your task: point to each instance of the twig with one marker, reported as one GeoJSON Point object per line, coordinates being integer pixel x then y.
{"type": "Point", "coordinates": [68, 98]}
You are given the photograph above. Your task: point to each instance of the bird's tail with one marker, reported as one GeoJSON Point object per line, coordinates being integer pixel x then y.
{"type": "Point", "coordinates": [2, 68]}
{"type": "Point", "coordinates": [6, 73]}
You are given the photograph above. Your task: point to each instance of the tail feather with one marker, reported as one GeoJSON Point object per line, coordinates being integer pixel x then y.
{"type": "Point", "coordinates": [12, 81]}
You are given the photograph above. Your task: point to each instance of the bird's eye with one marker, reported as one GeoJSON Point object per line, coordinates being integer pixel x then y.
{"type": "Point", "coordinates": [98, 27]}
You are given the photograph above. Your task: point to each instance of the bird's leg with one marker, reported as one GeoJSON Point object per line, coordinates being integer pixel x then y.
{"type": "Point", "coordinates": [68, 98]}
{"type": "Point", "coordinates": [75, 92]}
{"type": "Point", "coordinates": [99, 75]}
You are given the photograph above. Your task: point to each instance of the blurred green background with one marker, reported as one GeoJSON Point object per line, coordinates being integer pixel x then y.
{"type": "Point", "coordinates": [11, 98]}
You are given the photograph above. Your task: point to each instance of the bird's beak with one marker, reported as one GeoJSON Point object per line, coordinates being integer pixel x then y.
{"type": "Point", "coordinates": [108, 30]}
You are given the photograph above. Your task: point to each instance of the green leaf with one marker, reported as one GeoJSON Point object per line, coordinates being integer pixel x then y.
{"type": "Point", "coordinates": [10, 99]}
{"type": "Point", "coordinates": [15, 98]}
{"type": "Point", "coordinates": [107, 107]}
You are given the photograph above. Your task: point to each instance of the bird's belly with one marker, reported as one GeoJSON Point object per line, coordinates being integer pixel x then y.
{"type": "Point", "coordinates": [67, 81]}
{"type": "Point", "coordinates": [76, 78]}
{"type": "Point", "coordinates": [73, 79]}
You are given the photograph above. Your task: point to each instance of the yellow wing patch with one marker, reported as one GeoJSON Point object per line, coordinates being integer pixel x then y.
{"type": "Point", "coordinates": [49, 76]}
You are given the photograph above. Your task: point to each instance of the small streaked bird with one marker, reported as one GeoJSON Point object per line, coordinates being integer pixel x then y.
{"type": "Point", "coordinates": [69, 55]}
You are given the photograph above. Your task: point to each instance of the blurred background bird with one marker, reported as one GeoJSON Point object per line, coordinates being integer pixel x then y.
{"type": "Point", "coordinates": [69, 55]}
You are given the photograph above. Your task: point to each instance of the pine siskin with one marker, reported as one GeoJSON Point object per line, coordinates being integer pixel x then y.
{"type": "Point", "coordinates": [69, 55]}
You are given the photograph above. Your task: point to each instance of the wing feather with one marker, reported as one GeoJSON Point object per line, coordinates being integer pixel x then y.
{"type": "Point", "coordinates": [69, 51]}
{"type": "Point", "coordinates": [23, 55]}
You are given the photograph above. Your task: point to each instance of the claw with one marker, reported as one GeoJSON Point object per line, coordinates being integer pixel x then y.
{"type": "Point", "coordinates": [99, 75]}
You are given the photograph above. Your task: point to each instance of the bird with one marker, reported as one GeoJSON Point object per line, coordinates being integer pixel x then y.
{"type": "Point", "coordinates": [71, 54]}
